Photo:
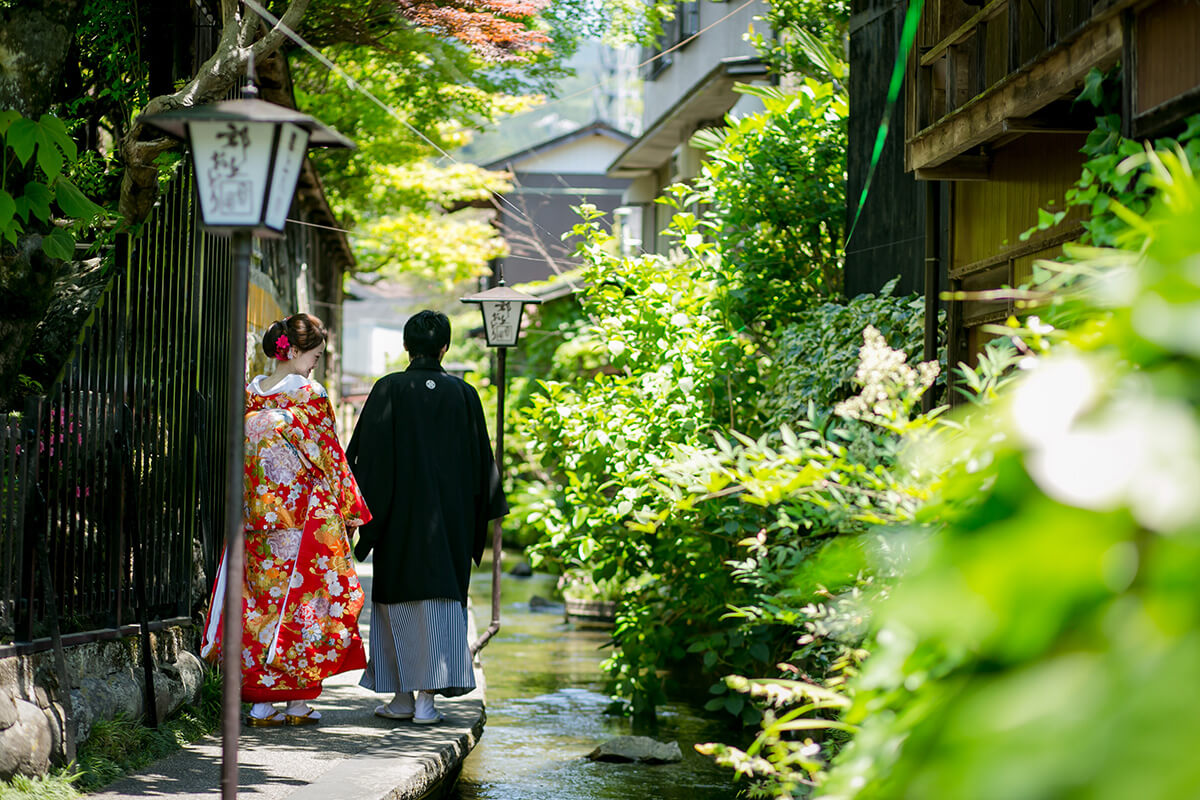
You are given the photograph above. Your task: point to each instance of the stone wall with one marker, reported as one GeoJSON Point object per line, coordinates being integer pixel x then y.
{"type": "Point", "coordinates": [106, 682]}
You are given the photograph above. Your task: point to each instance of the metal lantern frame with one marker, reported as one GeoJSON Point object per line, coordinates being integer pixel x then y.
{"type": "Point", "coordinates": [502, 308]}
{"type": "Point", "coordinates": [248, 154]}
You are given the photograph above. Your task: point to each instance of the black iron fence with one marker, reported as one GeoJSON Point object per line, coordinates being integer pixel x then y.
{"type": "Point", "coordinates": [111, 482]}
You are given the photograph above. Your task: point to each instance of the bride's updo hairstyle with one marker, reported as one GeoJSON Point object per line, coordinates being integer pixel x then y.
{"type": "Point", "coordinates": [301, 331]}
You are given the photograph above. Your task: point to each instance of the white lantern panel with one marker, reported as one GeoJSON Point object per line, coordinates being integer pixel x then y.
{"type": "Point", "coordinates": [289, 155]}
{"type": "Point", "coordinates": [502, 322]}
{"type": "Point", "coordinates": [232, 160]}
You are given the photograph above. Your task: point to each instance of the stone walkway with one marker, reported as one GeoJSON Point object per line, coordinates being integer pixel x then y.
{"type": "Point", "coordinates": [351, 754]}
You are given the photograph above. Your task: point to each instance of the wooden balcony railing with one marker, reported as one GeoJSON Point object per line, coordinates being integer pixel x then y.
{"type": "Point", "coordinates": [965, 51]}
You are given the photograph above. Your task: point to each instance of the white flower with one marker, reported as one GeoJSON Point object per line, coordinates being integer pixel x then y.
{"type": "Point", "coordinates": [276, 591]}
{"type": "Point", "coordinates": [337, 609]}
{"type": "Point", "coordinates": [271, 516]}
{"type": "Point", "coordinates": [889, 384]}
{"type": "Point", "coordinates": [1139, 452]}
{"type": "Point", "coordinates": [311, 634]}
{"type": "Point", "coordinates": [322, 562]}
{"type": "Point", "coordinates": [297, 580]}
{"type": "Point", "coordinates": [1053, 395]}
{"type": "Point", "coordinates": [267, 679]}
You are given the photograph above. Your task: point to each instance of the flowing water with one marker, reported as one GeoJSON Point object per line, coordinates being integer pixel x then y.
{"type": "Point", "coordinates": [545, 713]}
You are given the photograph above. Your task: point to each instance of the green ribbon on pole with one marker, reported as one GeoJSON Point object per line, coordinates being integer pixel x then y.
{"type": "Point", "coordinates": [907, 35]}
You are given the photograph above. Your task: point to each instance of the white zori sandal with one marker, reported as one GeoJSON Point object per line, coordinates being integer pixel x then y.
{"type": "Point", "coordinates": [401, 707]}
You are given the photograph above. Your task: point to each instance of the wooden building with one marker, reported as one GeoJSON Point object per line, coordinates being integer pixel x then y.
{"type": "Point", "coordinates": [990, 128]}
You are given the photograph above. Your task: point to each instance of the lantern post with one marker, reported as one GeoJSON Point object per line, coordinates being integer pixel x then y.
{"type": "Point", "coordinates": [502, 309]}
{"type": "Point", "coordinates": [247, 154]}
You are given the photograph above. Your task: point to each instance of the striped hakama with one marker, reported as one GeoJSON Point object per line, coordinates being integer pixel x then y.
{"type": "Point", "coordinates": [419, 646]}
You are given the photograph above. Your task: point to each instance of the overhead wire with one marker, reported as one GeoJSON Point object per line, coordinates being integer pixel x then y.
{"type": "Point", "coordinates": [907, 37]}
{"type": "Point", "coordinates": [648, 61]}
{"type": "Point", "coordinates": [354, 85]}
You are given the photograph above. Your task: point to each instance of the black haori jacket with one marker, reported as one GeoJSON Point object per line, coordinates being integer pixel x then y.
{"type": "Point", "coordinates": [422, 458]}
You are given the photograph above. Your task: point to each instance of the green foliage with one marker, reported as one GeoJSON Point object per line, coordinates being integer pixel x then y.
{"type": "Point", "coordinates": [1104, 188]}
{"type": "Point", "coordinates": [391, 190]}
{"type": "Point", "coordinates": [669, 365]}
{"type": "Point", "coordinates": [1050, 618]}
{"type": "Point", "coordinates": [441, 249]}
{"type": "Point", "coordinates": [774, 187]}
{"type": "Point", "coordinates": [58, 785]}
{"type": "Point", "coordinates": [113, 78]}
{"type": "Point", "coordinates": [36, 155]}
{"type": "Point", "coordinates": [646, 466]}
{"type": "Point", "coordinates": [1032, 609]}
{"type": "Point", "coordinates": [815, 356]}
{"type": "Point", "coordinates": [792, 26]}
{"type": "Point", "coordinates": [645, 497]}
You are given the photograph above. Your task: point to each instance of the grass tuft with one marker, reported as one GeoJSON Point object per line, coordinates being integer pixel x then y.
{"type": "Point", "coordinates": [58, 785]}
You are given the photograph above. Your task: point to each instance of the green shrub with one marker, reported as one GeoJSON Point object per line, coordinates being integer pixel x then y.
{"type": "Point", "coordinates": [774, 191]}
{"type": "Point", "coordinates": [814, 358]}
{"type": "Point", "coordinates": [1042, 639]}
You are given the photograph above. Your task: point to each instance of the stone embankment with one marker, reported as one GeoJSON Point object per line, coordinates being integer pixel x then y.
{"type": "Point", "coordinates": [106, 680]}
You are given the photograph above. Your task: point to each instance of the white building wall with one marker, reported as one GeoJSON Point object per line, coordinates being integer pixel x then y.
{"type": "Point", "coordinates": [590, 154]}
{"type": "Point", "coordinates": [696, 59]}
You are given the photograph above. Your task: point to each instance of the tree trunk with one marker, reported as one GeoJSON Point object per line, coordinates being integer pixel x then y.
{"type": "Point", "coordinates": [214, 79]}
{"type": "Point", "coordinates": [35, 38]}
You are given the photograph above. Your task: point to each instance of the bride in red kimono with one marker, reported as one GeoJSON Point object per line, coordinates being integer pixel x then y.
{"type": "Point", "coordinates": [301, 593]}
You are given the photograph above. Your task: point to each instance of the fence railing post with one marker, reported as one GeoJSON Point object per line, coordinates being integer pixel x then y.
{"type": "Point", "coordinates": [130, 500]}
{"type": "Point", "coordinates": [28, 539]}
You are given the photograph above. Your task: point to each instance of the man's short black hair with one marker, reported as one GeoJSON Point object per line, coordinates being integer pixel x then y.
{"type": "Point", "coordinates": [426, 333]}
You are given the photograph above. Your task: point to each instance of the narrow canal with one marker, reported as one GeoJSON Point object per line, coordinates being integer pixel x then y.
{"type": "Point", "coordinates": [545, 713]}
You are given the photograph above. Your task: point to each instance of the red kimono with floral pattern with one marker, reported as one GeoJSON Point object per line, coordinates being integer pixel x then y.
{"type": "Point", "coordinates": [301, 595]}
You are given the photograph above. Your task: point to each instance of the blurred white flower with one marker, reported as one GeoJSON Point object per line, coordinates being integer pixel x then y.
{"type": "Point", "coordinates": [1047, 402]}
{"type": "Point", "coordinates": [1139, 451]}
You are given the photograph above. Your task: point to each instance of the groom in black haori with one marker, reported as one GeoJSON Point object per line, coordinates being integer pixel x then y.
{"type": "Point", "coordinates": [423, 462]}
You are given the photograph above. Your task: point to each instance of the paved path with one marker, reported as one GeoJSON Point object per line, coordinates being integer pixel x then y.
{"type": "Point", "coordinates": [351, 754]}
